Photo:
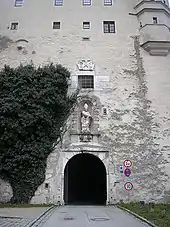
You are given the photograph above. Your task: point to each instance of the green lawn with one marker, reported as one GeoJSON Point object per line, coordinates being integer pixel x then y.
{"type": "Point", "coordinates": [23, 205]}
{"type": "Point", "coordinates": [159, 215]}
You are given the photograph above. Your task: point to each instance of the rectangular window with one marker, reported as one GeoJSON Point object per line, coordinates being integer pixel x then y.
{"type": "Point", "coordinates": [86, 25]}
{"type": "Point", "coordinates": [155, 20]}
{"type": "Point", "coordinates": [109, 26]}
{"type": "Point", "coordinates": [56, 25]}
{"type": "Point", "coordinates": [107, 2]}
{"type": "Point", "coordinates": [58, 2]}
{"type": "Point", "coordinates": [19, 2]}
{"type": "Point", "coordinates": [86, 81]}
{"type": "Point", "coordinates": [14, 26]}
{"type": "Point", "coordinates": [86, 2]}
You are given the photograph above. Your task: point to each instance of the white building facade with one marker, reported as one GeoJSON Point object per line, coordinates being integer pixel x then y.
{"type": "Point", "coordinates": [118, 52]}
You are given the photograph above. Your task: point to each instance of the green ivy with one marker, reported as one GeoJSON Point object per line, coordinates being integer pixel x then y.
{"type": "Point", "coordinates": [34, 106]}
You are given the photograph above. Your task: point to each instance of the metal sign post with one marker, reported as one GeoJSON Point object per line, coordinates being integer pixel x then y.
{"type": "Point", "coordinates": [128, 186]}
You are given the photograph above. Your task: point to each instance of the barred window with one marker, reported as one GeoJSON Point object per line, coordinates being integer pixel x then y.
{"type": "Point", "coordinates": [107, 2]}
{"type": "Point", "coordinates": [58, 2]}
{"type": "Point", "coordinates": [109, 26]}
{"type": "Point", "coordinates": [86, 81]}
{"type": "Point", "coordinates": [19, 2]}
{"type": "Point", "coordinates": [86, 2]}
{"type": "Point", "coordinates": [14, 26]}
{"type": "Point", "coordinates": [86, 25]}
{"type": "Point", "coordinates": [56, 25]}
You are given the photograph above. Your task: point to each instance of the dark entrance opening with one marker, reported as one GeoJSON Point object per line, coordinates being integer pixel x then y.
{"type": "Point", "coordinates": [85, 181]}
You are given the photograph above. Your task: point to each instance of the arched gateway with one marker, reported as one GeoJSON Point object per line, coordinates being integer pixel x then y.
{"type": "Point", "coordinates": [85, 180]}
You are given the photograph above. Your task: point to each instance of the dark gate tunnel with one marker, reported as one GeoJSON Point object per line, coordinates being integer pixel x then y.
{"type": "Point", "coordinates": [85, 181]}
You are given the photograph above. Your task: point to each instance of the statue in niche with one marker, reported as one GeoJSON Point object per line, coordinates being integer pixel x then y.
{"type": "Point", "coordinates": [86, 120]}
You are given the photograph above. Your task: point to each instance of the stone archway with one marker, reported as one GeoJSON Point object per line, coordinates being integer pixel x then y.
{"type": "Point", "coordinates": [85, 180]}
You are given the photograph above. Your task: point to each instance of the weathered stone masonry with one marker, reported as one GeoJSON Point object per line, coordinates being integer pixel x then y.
{"type": "Point", "coordinates": [131, 81]}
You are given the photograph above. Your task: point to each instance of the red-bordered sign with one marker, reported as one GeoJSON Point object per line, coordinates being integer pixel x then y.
{"type": "Point", "coordinates": [128, 186]}
{"type": "Point", "coordinates": [127, 163]}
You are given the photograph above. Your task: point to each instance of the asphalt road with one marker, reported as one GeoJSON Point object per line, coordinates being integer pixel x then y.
{"type": "Point", "coordinates": [91, 216]}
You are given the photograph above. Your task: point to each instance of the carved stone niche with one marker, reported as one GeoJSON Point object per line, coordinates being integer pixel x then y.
{"type": "Point", "coordinates": [85, 114]}
{"type": "Point", "coordinates": [85, 119]}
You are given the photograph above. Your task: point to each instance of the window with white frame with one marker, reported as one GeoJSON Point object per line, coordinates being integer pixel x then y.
{"type": "Point", "coordinates": [109, 26]}
{"type": "Point", "coordinates": [14, 26]}
{"type": "Point", "coordinates": [56, 25]}
{"type": "Point", "coordinates": [58, 2]}
{"type": "Point", "coordinates": [86, 2]}
{"type": "Point", "coordinates": [107, 2]}
{"type": "Point", "coordinates": [86, 25]}
{"type": "Point", "coordinates": [19, 3]}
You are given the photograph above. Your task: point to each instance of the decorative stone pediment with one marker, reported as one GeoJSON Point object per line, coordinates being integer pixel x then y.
{"type": "Point", "coordinates": [86, 65]}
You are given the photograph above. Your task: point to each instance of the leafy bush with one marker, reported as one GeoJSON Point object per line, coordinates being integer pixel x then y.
{"type": "Point", "coordinates": [34, 106]}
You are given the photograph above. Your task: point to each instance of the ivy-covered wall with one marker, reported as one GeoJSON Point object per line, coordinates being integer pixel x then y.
{"type": "Point", "coordinates": [35, 106]}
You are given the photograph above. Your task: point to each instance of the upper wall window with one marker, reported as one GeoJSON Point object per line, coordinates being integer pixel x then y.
{"type": "Point", "coordinates": [86, 25]}
{"type": "Point", "coordinates": [56, 25]}
{"type": "Point", "coordinates": [107, 2]}
{"type": "Point", "coordinates": [14, 26]}
{"type": "Point", "coordinates": [86, 2]}
{"type": "Point", "coordinates": [19, 2]}
{"type": "Point", "coordinates": [58, 2]}
{"type": "Point", "coordinates": [109, 26]}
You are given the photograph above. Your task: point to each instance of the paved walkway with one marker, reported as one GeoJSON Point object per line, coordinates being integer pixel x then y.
{"type": "Point", "coordinates": [19, 217]}
{"type": "Point", "coordinates": [91, 216]}
{"type": "Point", "coordinates": [30, 212]}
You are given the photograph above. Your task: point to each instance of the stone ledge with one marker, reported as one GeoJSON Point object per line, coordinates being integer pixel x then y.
{"type": "Point", "coordinates": [85, 147]}
{"type": "Point", "coordinates": [151, 6]}
{"type": "Point", "coordinates": [137, 216]}
{"type": "Point", "coordinates": [157, 48]}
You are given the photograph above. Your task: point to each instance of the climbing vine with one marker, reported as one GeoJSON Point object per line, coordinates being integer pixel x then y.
{"type": "Point", "coordinates": [34, 106]}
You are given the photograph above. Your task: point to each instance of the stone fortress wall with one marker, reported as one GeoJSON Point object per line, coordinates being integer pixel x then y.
{"type": "Point", "coordinates": [130, 99]}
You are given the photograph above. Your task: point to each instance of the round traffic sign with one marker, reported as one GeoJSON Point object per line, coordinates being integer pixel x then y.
{"type": "Point", "coordinates": [127, 172]}
{"type": "Point", "coordinates": [128, 186]}
{"type": "Point", "coordinates": [127, 163]}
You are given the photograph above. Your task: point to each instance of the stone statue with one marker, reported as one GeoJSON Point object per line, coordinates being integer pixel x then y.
{"type": "Point", "coordinates": [86, 119]}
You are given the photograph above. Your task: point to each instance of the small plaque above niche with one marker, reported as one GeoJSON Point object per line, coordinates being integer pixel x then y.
{"type": "Point", "coordinates": [86, 65]}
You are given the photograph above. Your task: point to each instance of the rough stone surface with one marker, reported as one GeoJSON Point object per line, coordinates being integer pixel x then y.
{"type": "Point", "coordinates": [131, 84]}
{"type": "Point", "coordinates": [5, 191]}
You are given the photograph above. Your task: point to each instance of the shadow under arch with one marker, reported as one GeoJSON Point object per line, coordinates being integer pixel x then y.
{"type": "Point", "coordinates": [85, 181]}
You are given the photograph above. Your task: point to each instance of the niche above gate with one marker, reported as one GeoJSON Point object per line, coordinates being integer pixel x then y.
{"type": "Point", "coordinates": [85, 120]}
